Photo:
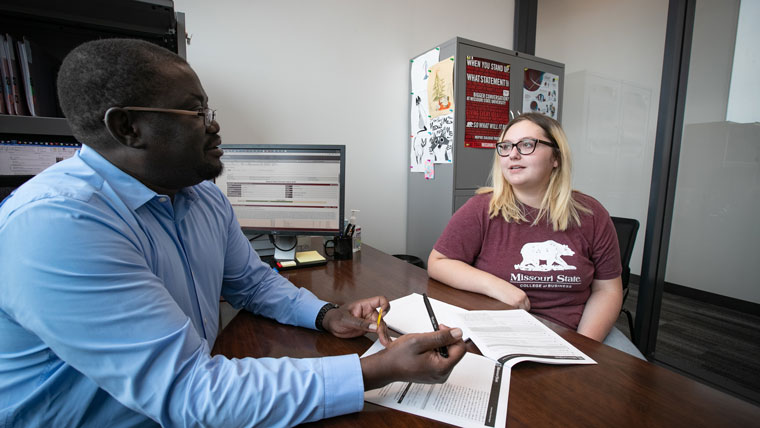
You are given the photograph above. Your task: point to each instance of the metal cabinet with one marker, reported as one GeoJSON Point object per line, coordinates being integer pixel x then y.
{"type": "Point", "coordinates": [431, 203]}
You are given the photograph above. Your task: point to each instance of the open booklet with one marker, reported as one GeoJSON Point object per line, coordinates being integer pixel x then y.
{"type": "Point", "coordinates": [474, 395]}
{"type": "Point", "coordinates": [508, 336]}
{"type": "Point", "coordinates": [476, 392]}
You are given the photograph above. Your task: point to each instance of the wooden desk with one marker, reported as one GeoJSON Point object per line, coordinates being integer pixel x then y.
{"type": "Point", "coordinates": [619, 391]}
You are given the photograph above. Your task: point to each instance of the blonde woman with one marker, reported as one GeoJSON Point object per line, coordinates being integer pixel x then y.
{"type": "Point", "coordinates": [534, 243]}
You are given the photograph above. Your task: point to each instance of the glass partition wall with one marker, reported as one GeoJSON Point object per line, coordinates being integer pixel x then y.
{"type": "Point", "coordinates": [710, 329]}
{"type": "Point", "coordinates": [614, 69]}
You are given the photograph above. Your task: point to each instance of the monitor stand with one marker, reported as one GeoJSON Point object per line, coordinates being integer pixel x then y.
{"type": "Point", "coordinates": [285, 247]}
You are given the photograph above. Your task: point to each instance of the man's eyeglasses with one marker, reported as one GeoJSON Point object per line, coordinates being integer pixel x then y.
{"type": "Point", "coordinates": [525, 146]}
{"type": "Point", "coordinates": [208, 114]}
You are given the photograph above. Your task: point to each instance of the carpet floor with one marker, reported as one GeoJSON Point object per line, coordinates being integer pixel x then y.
{"type": "Point", "coordinates": [714, 345]}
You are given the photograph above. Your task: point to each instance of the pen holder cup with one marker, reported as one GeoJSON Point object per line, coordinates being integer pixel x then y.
{"type": "Point", "coordinates": [340, 248]}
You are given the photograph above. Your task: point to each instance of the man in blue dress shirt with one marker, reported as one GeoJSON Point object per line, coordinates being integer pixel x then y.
{"type": "Point", "coordinates": [112, 263]}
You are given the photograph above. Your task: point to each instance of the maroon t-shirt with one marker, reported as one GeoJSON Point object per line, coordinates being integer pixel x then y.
{"type": "Point", "coordinates": [555, 269]}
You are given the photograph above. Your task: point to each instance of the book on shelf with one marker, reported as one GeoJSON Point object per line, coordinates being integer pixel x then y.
{"type": "Point", "coordinates": [6, 76]}
{"type": "Point", "coordinates": [28, 74]}
{"type": "Point", "coordinates": [16, 89]}
{"type": "Point", "coordinates": [3, 108]}
{"type": "Point", "coordinates": [24, 60]}
{"type": "Point", "coordinates": [42, 69]}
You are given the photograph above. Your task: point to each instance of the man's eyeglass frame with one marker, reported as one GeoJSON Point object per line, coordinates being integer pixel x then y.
{"type": "Point", "coordinates": [504, 148]}
{"type": "Point", "coordinates": [208, 114]}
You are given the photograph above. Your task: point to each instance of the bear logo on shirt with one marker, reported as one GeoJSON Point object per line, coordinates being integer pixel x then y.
{"type": "Point", "coordinates": [550, 252]}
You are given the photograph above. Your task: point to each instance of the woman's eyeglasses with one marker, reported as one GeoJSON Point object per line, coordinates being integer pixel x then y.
{"type": "Point", "coordinates": [525, 146]}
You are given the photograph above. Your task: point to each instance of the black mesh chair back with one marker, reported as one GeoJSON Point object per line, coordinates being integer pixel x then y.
{"type": "Point", "coordinates": [626, 229]}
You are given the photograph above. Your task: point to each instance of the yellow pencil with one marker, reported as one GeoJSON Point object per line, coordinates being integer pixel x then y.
{"type": "Point", "coordinates": [379, 317]}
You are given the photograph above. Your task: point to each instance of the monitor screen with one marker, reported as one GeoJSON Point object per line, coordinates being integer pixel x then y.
{"type": "Point", "coordinates": [284, 189]}
{"type": "Point", "coordinates": [28, 157]}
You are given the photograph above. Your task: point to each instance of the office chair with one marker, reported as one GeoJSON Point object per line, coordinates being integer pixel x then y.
{"type": "Point", "coordinates": [626, 229]}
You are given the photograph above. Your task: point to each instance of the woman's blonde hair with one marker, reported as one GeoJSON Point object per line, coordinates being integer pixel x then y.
{"type": "Point", "coordinates": [558, 203]}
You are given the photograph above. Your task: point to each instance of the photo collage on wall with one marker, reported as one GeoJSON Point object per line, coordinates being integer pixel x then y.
{"type": "Point", "coordinates": [432, 112]}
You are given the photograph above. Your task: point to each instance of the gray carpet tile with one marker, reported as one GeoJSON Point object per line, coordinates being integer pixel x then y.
{"type": "Point", "coordinates": [709, 343]}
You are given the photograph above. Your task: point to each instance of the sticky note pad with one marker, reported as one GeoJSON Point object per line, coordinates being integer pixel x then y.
{"type": "Point", "coordinates": [309, 257]}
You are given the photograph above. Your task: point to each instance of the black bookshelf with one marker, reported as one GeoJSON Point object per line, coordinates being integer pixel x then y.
{"type": "Point", "coordinates": [56, 27]}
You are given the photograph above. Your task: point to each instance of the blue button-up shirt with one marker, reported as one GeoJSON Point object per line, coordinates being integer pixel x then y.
{"type": "Point", "coordinates": [109, 306]}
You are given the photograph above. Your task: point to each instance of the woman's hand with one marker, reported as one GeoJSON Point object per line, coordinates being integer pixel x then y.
{"type": "Point", "coordinates": [459, 274]}
{"type": "Point", "coordinates": [513, 296]}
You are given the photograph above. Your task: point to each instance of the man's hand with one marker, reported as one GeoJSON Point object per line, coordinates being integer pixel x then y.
{"type": "Point", "coordinates": [414, 358]}
{"type": "Point", "coordinates": [357, 318]}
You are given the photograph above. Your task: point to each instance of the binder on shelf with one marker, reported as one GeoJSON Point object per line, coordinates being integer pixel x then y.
{"type": "Point", "coordinates": [3, 108]}
{"type": "Point", "coordinates": [18, 104]}
{"type": "Point", "coordinates": [26, 78]}
{"type": "Point", "coordinates": [6, 76]}
{"type": "Point", "coordinates": [39, 71]}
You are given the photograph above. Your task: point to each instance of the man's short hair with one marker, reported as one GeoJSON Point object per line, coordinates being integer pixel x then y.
{"type": "Point", "coordinates": [108, 73]}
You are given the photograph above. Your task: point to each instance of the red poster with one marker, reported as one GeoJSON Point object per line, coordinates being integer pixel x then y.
{"type": "Point", "coordinates": [487, 102]}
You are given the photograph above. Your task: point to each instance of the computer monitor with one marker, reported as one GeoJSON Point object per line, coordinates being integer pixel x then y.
{"type": "Point", "coordinates": [285, 190]}
{"type": "Point", "coordinates": [30, 156]}
{"type": "Point", "coordinates": [23, 157]}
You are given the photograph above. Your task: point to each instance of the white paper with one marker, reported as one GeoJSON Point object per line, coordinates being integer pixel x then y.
{"type": "Point", "coordinates": [441, 141]}
{"type": "Point", "coordinates": [409, 315]}
{"type": "Point", "coordinates": [420, 135]}
{"type": "Point", "coordinates": [475, 394]}
{"type": "Point", "coordinates": [513, 336]}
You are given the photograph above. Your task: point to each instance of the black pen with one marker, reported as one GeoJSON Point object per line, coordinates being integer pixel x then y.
{"type": "Point", "coordinates": [442, 350]}
{"type": "Point", "coordinates": [348, 229]}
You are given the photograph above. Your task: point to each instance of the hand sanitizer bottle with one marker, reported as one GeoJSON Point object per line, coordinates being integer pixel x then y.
{"type": "Point", "coordinates": [357, 237]}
